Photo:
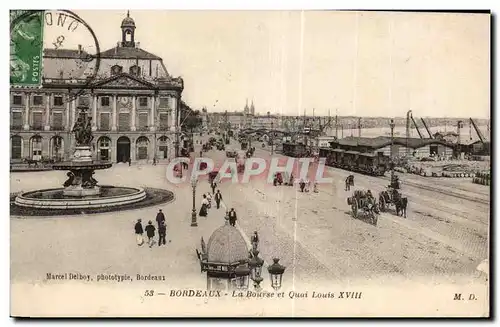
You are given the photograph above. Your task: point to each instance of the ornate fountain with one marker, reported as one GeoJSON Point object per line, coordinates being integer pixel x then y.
{"type": "Point", "coordinates": [81, 181]}
{"type": "Point", "coordinates": [80, 189]}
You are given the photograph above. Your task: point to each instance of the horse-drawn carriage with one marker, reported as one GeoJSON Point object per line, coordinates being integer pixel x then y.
{"type": "Point", "coordinates": [363, 205]}
{"type": "Point", "coordinates": [392, 197]}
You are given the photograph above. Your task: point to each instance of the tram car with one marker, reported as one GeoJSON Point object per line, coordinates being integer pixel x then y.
{"type": "Point", "coordinates": [361, 162]}
{"type": "Point", "coordinates": [296, 150]}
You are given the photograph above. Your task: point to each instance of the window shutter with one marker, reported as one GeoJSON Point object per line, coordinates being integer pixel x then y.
{"type": "Point", "coordinates": [57, 120]}
{"type": "Point", "coordinates": [124, 121]}
{"type": "Point", "coordinates": [17, 120]}
{"type": "Point", "coordinates": [104, 122]}
{"type": "Point", "coordinates": [37, 120]}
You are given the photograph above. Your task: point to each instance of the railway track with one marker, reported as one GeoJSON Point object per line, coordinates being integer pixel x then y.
{"type": "Point", "coordinates": [425, 187]}
{"type": "Point", "coordinates": [446, 192]}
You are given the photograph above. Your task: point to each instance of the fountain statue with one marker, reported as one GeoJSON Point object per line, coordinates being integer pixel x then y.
{"type": "Point", "coordinates": [80, 190]}
{"type": "Point", "coordinates": [81, 181]}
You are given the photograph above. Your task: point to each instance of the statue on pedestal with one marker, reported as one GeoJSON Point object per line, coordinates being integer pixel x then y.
{"type": "Point", "coordinates": [83, 129]}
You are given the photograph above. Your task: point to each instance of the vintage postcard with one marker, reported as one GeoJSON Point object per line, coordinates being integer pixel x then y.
{"type": "Point", "coordinates": [249, 163]}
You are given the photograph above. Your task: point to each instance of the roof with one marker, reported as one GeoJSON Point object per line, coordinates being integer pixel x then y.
{"type": "Point", "coordinates": [382, 141]}
{"type": "Point", "coordinates": [128, 53]}
{"type": "Point", "coordinates": [62, 53]}
{"type": "Point", "coordinates": [226, 245]}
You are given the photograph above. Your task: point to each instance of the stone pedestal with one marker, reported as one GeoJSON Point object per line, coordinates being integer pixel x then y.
{"type": "Point", "coordinates": [83, 153]}
{"type": "Point", "coordinates": [79, 191]}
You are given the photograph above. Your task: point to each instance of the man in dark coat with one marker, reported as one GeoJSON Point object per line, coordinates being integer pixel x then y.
{"type": "Point", "coordinates": [162, 232]}
{"type": "Point", "coordinates": [218, 198]}
{"type": "Point", "coordinates": [160, 218]}
{"type": "Point", "coordinates": [302, 185]}
{"type": "Point", "coordinates": [138, 232]}
{"type": "Point", "coordinates": [150, 232]}
{"type": "Point", "coordinates": [213, 185]}
{"type": "Point", "coordinates": [232, 217]}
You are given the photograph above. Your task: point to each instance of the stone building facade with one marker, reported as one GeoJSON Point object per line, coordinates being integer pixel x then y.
{"type": "Point", "coordinates": [133, 101]}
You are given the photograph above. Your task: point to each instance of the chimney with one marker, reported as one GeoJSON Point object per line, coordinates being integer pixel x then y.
{"type": "Point", "coordinates": [79, 49]}
{"type": "Point", "coordinates": [137, 45]}
{"type": "Point", "coordinates": [116, 49]}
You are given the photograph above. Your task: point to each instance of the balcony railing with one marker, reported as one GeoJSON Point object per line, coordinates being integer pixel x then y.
{"type": "Point", "coordinates": [104, 128]}
{"type": "Point", "coordinates": [57, 128]}
{"type": "Point", "coordinates": [16, 127]}
{"type": "Point", "coordinates": [37, 127]}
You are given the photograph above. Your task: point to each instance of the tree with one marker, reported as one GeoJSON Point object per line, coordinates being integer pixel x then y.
{"type": "Point", "coordinates": [190, 119]}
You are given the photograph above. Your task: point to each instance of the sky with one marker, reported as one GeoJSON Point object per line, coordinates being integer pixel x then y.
{"type": "Point", "coordinates": [346, 63]}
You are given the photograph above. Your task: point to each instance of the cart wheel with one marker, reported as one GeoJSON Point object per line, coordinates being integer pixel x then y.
{"type": "Point", "coordinates": [382, 203]}
{"type": "Point", "coordinates": [354, 208]}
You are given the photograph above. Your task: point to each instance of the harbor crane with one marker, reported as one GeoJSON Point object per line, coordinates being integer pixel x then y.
{"type": "Point", "coordinates": [426, 128]}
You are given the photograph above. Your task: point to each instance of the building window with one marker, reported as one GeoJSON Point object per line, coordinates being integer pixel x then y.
{"type": "Point", "coordinates": [58, 101]}
{"type": "Point", "coordinates": [124, 121]}
{"type": "Point", "coordinates": [116, 69]}
{"type": "Point", "coordinates": [164, 103]}
{"type": "Point", "coordinates": [16, 147]}
{"type": "Point", "coordinates": [57, 121]}
{"type": "Point", "coordinates": [104, 122]}
{"type": "Point", "coordinates": [143, 102]}
{"type": "Point", "coordinates": [143, 121]}
{"type": "Point", "coordinates": [142, 148]}
{"type": "Point", "coordinates": [17, 100]}
{"type": "Point", "coordinates": [37, 100]}
{"type": "Point", "coordinates": [105, 101]}
{"type": "Point", "coordinates": [37, 123]}
{"type": "Point", "coordinates": [135, 70]}
{"type": "Point", "coordinates": [163, 122]}
{"type": "Point", "coordinates": [17, 120]}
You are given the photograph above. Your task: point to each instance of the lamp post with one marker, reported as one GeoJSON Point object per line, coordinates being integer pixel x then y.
{"type": "Point", "coordinates": [392, 125]}
{"type": "Point", "coordinates": [255, 263]}
{"type": "Point", "coordinates": [276, 273]}
{"type": "Point", "coordinates": [272, 138]}
{"type": "Point", "coordinates": [242, 272]}
{"type": "Point", "coordinates": [194, 223]}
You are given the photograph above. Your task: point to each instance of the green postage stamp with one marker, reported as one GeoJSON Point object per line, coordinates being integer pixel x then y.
{"type": "Point", "coordinates": [26, 47]}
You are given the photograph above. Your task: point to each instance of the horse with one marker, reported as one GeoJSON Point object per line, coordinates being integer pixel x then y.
{"type": "Point", "coordinates": [401, 205]}
{"type": "Point", "coordinates": [349, 181]}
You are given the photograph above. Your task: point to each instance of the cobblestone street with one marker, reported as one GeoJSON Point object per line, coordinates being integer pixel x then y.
{"type": "Point", "coordinates": [312, 233]}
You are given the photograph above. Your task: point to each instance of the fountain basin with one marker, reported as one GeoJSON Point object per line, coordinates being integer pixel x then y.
{"type": "Point", "coordinates": [109, 196]}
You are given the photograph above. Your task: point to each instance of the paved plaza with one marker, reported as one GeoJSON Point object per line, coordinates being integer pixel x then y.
{"type": "Point", "coordinates": [313, 234]}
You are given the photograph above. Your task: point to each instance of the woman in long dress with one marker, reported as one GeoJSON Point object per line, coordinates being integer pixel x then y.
{"type": "Point", "coordinates": [204, 206]}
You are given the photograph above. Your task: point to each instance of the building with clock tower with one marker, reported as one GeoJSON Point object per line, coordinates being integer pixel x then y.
{"type": "Point", "coordinates": [133, 101]}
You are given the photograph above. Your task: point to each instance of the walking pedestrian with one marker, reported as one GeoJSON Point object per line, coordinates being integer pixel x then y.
{"type": "Point", "coordinates": [160, 218]}
{"type": "Point", "coordinates": [150, 232]}
{"type": "Point", "coordinates": [315, 187]}
{"type": "Point", "coordinates": [232, 217]}
{"type": "Point", "coordinates": [255, 240]}
{"type": "Point", "coordinates": [218, 198]}
{"type": "Point", "coordinates": [138, 232]}
{"type": "Point", "coordinates": [302, 185]}
{"type": "Point", "coordinates": [204, 206]}
{"type": "Point", "coordinates": [213, 186]}
{"type": "Point", "coordinates": [129, 162]}
{"type": "Point", "coordinates": [162, 232]}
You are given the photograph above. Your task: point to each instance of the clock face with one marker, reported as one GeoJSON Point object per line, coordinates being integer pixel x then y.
{"type": "Point", "coordinates": [124, 100]}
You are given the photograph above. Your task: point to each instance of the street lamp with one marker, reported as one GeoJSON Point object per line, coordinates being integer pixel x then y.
{"type": "Point", "coordinates": [392, 125]}
{"type": "Point", "coordinates": [255, 263]}
{"type": "Point", "coordinates": [276, 273]}
{"type": "Point", "coordinates": [272, 138]}
{"type": "Point", "coordinates": [242, 272]}
{"type": "Point", "coordinates": [194, 223]}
